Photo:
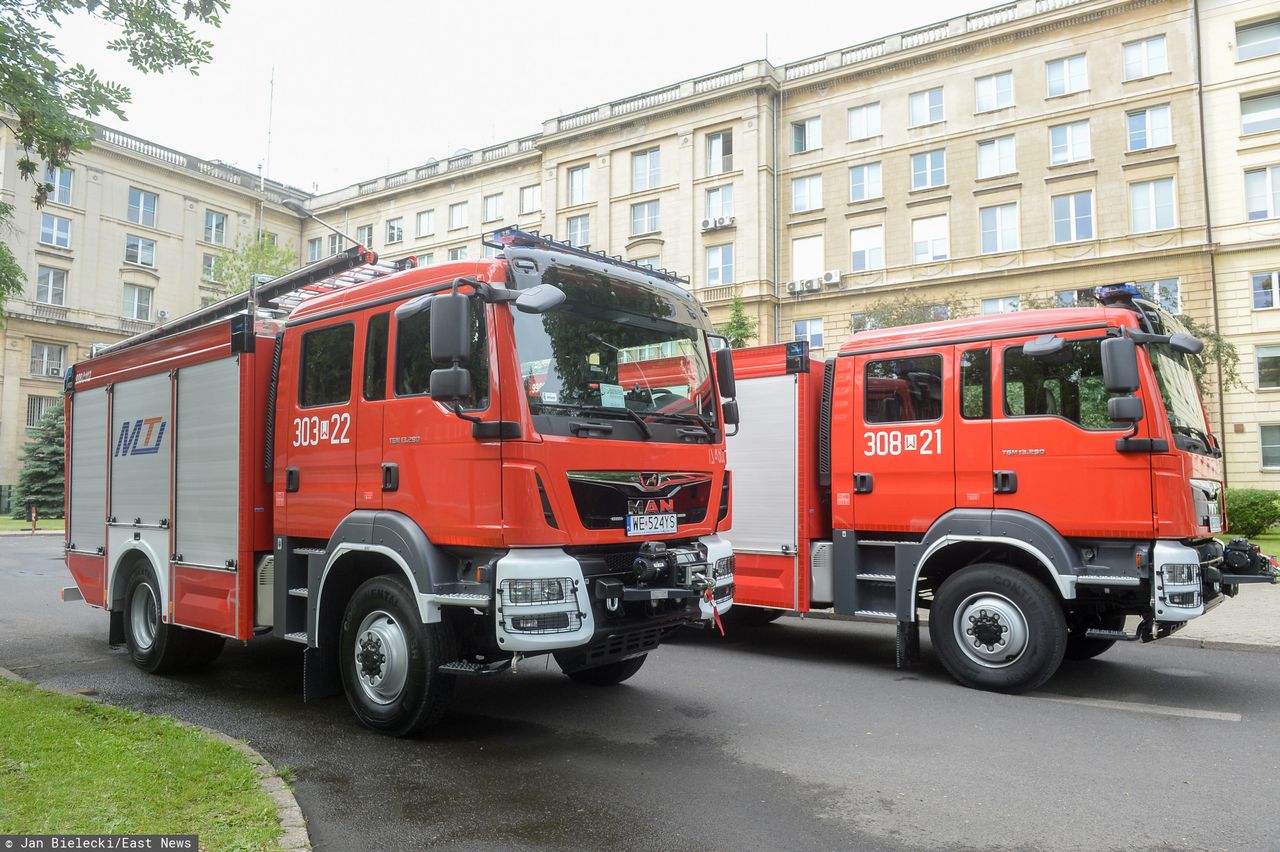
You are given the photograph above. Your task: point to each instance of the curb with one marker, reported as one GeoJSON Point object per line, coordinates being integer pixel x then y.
{"type": "Point", "coordinates": [295, 837]}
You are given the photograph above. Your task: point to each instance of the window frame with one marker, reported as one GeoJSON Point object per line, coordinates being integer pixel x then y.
{"type": "Point", "coordinates": [930, 168]}
{"type": "Point", "coordinates": [45, 361]}
{"type": "Point", "coordinates": [48, 284]}
{"type": "Point", "coordinates": [1145, 59]}
{"type": "Point", "coordinates": [141, 243]}
{"type": "Point", "coordinates": [994, 81]}
{"type": "Point", "coordinates": [395, 231]}
{"type": "Point", "coordinates": [1257, 25]}
{"type": "Point", "coordinates": [496, 200]}
{"type": "Point", "coordinates": [872, 252]}
{"type": "Point", "coordinates": [215, 227]}
{"type": "Point", "coordinates": [315, 249]}
{"type": "Point", "coordinates": [724, 193]}
{"type": "Point", "coordinates": [1073, 218]}
{"type": "Point", "coordinates": [865, 111]}
{"type": "Point", "coordinates": [1148, 129]}
{"type": "Point", "coordinates": [646, 169]}
{"type": "Point", "coordinates": [1274, 289]}
{"type": "Point", "coordinates": [1066, 62]}
{"type": "Point", "coordinates": [429, 217]}
{"type": "Point", "coordinates": [809, 333]}
{"type": "Point", "coordinates": [584, 220]}
{"type": "Point", "coordinates": [136, 289]}
{"type": "Point", "coordinates": [720, 266]}
{"type": "Point", "coordinates": [813, 199]}
{"type": "Point", "coordinates": [649, 213]}
{"type": "Point", "coordinates": [1257, 363]}
{"type": "Point", "coordinates": [1072, 155]}
{"type": "Point", "coordinates": [458, 214]}
{"type": "Point", "coordinates": [141, 207]}
{"type": "Point", "coordinates": [1270, 192]}
{"type": "Point", "coordinates": [1262, 446]}
{"type": "Point", "coordinates": [577, 185]}
{"type": "Point", "coordinates": [1154, 209]}
{"type": "Point", "coordinates": [302, 364]}
{"type": "Point", "coordinates": [55, 231]}
{"type": "Point", "coordinates": [1000, 213]}
{"type": "Point", "coordinates": [720, 162]}
{"type": "Point", "coordinates": [1006, 414]}
{"type": "Point", "coordinates": [1245, 130]}
{"type": "Point", "coordinates": [808, 129]}
{"type": "Point", "coordinates": [532, 191]}
{"type": "Point", "coordinates": [929, 106]}
{"type": "Point", "coordinates": [867, 407]}
{"type": "Point", "coordinates": [946, 238]}
{"type": "Point", "coordinates": [54, 175]}
{"type": "Point", "coordinates": [873, 167]}
{"type": "Point", "coordinates": [998, 145]}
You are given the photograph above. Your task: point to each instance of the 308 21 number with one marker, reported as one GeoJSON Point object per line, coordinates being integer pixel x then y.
{"type": "Point", "coordinates": [926, 442]}
{"type": "Point", "coordinates": [313, 431]}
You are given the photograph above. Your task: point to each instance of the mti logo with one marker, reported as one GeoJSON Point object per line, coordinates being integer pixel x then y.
{"type": "Point", "coordinates": [139, 442]}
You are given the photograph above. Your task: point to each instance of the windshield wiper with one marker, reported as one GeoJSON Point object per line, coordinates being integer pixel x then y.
{"type": "Point", "coordinates": [1199, 440]}
{"type": "Point", "coordinates": [686, 418]}
{"type": "Point", "coordinates": [623, 413]}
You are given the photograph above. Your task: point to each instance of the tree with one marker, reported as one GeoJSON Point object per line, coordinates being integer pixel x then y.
{"type": "Point", "coordinates": [251, 255]}
{"type": "Point", "coordinates": [41, 478]}
{"type": "Point", "coordinates": [45, 98]}
{"type": "Point", "coordinates": [740, 329]}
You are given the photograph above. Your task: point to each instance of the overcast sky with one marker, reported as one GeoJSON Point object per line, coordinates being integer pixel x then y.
{"type": "Point", "coordinates": [363, 89]}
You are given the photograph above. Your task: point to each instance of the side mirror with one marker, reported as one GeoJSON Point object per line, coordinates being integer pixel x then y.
{"type": "Point", "coordinates": [1125, 409]}
{"type": "Point", "coordinates": [1120, 365]}
{"type": "Point", "coordinates": [724, 374]}
{"type": "Point", "coordinates": [450, 383]}
{"type": "Point", "coordinates": [1044, 346]}
{"type": "Point", "coordinates": [1186, 344]}
{"type": "Point", "coordinates": [729, 411]}
{"type": "Point", "coordinates": [539, 299]}
{"type": "Point", "coordinates": [450, 330]}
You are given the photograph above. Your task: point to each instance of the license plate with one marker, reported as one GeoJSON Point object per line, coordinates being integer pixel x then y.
{"type": "Point", "coordinates": [650, 524]}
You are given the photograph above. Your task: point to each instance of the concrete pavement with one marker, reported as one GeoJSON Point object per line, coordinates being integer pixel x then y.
{"type": "Point", "coordinates": [1250, 620]}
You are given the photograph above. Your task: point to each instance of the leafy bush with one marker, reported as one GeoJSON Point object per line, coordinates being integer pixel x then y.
{"type": "Point", "coordinates": [1252, 511]}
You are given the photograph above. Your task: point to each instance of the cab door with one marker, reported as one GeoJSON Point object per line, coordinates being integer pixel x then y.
{"type": "Point", "coordinates": [375, 373]}
{"type": "Point", "coordinates": [903, 439]}
{"type": "Point", "coordinates": [972, 416]}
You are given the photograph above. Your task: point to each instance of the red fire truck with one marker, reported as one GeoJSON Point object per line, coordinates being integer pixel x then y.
{"type": "Point", "coordinates": [1031, 480]}
{"type": "Point", "coordinates": [348, 458]}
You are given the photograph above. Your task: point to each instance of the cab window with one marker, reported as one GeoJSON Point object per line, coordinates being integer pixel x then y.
{"type": "Point", "coordinates": [1067, 384]}
{"type": "Point", "coordinates": [375, 358]}
{"type": "Point", "coordinates": [414, 364]}
{"type": "Point", "coordinates": [903, 390]}
{"type": "Point", "coordinates": [975, 384]}
{"type": "Point", "coordinates": [326, 366]}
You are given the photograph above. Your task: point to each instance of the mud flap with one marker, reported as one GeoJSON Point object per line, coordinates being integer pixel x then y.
{"type": "Point", "coordinates": [115, 630]}
{"type": "Point", "coordinates": [908, 644]}
{"type": "Point", "coordinates": [320, 676]}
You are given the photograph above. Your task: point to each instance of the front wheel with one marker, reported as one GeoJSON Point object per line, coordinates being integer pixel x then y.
{"type": "Point", "coordinates": [389, 659]}
{"type": "Point", "coordinates": [998, 628]}
{"type": "Point", "coordinates": [610, 673]}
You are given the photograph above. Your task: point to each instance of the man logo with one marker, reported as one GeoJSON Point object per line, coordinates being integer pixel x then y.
{"type": "Point", "coordinates": [138, 443]}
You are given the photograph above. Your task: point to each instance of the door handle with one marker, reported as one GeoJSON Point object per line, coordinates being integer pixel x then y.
{"type": "Point", "coordinates": [291, 477]}
{"type": "Point", "coordinates": [390, 476]}
{"type": "Point", "coordinates": [863, 483]}
{"type": "Point", "coordinates": [1004, 481]}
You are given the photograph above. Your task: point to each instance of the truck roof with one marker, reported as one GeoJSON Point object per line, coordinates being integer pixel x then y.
{"type": "Point", "coordinates": [985, 327]}
{"type": "Point", "coordinates": [396, 283]}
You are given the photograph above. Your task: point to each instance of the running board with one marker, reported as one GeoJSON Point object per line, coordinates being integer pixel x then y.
{"type": "Point", "coordinates": [1114, 635]}
{"type": "Point", "coordinates": [470, 669]}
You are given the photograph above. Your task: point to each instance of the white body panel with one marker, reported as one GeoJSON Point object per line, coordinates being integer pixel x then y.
{"type": "Point", "coordinates": [763, 459]}
{"type": "Point", "coordinates": [88, 494]}
{"type": "Point", "coordinates": [207, 443]}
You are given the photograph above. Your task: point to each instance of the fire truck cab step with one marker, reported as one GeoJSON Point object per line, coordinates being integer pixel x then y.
{"type": "Point", "coordinates": [1114, 635]}
{"type": "Point", "coordinates": [309, 551]}
{"type": "Point", "coordinates": [300, 636]}
{"type": "Point", "coordinates": [874, 613]}
{"type": "Point", "coordinates": [470, 669]}
{"type": "Point", "coordinates": [300, 592]}
{"type": "Point", "coordinates": [878, 578]}
{"type": "Point", "coordinates": [462, 599]}
{"type": "Point", "coordinates": [1099, 580]}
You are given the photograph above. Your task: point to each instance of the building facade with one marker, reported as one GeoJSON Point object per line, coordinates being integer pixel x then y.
{"type": "Point", "coordinates": [1014, 157]}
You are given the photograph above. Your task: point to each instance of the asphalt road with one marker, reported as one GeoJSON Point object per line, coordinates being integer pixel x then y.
{"type": "Point", "coordinates": [801, 735]}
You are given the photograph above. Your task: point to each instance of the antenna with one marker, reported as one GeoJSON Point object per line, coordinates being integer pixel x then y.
{"type": "Point", "coordinates": [271, 103]}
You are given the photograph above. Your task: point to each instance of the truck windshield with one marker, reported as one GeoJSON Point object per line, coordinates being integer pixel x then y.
{"type": "Point", "coordinates": [615, 345]}
{"type": "Point", "coordinates": [1177, 386]}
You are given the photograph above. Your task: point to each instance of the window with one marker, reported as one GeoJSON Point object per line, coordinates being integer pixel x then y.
{"type": "Point", "coordinates": [1164, 292]}
{"type": "Point", "coordinates": [315, 249]}
{"type": "Point", "coordinates": [926, 107]}
{"type": "Point", "coordinates": [1266, 290]}
{"type": "Point", "coordinates": [335, 243]}
{"type": "Point", "coordinates": [60, 179]}
{"type": "Point", "coordinates": [457, 215]}
{"type": "Point", "coordinates": [1067, 75]}
{"type": "Point", "coordinates": [51, 286]}
{"type": "Point", "coordinates": [142, 207]}
{"type": "Point", "coordinates": [1151, 205]}
{"type": "Point", "coordinates": [808, 329]}
{"type": "Point", "coordinates": [1073, 217]}
{"type": "Point", "coordinates": [807, 257]}
{"type": "Point", "coordinates": [55, 230]}
{"type": "Point", "coordinates": [1258, 39]}
{"type": "Point", "coordinates": [530, 198]}
{"type": "Point", "coordinates": [47, 359]}
{"type": "Point", "coordinates": [579, 230]}
{"type": "Point", "coordinates": [492, 207]}
{"type": "Point", "coordinates": [1069, 143]}
{"type": "Point", "coordinates": [652, 261]}
{"type": "Point", "coordinates": [996, 157]}
{"type": "Point", "coordinates": [375, 357]}
{"type": "Point", "coordinates": [1149, 128]}
{"type": "Point", "coordinates": [930, 239]}
{"type": "Point", "coordinates": [215, 227]}
{"type": "Point", "coordinates": [903, 390]}
{"type": "Point", "coordinates": [646, 170]}
{"type": "Point", "coordinates": [719, 152]}
{"type": "Point", "coordinates": [1268, 367]}
{"type": "Point", "coordinates": [719, 265]}
{"type": "Point", "coordinates": [37, 408]}
{"type": "Point", "coordinates": [1260, 113]}
{"type": "Point", "coordinates": [644, 217]}
{"type": "Point", "coordinates": [806, 193]}
{"type": "Point", "coordinates": [395, 230]}
{"type": "Point", "coordinates": [994, 91]}
{"type": "Point", "coordinates": [864, 182]}
{"type": "Point", "coordinates": [426, 223]}
{"type": "Point", "coordinates": [1083, 297]}
{"type": "Point", "coordinates": [489, 252]}
{"type": "Point", "coordinates": [458, 253]}
{"type": "Point", "coordinates": [1145, 58]}
{"type": "Point", "coordinates": [862, 322]}
{"type": "Point", "coordinates": [327, 355]}
{"type": "Point", "coordinates": [864, 122]}
{"type": "Point", "coordinates": [866, 248]}
{"type": "Point", "coordinates": [1270, 436]}
{"type": "Point", "coordinates": [137, 303]}
{"type": "Point", "coordinates": [1069, 385]}
{"type": "Point", "coordinates": [414, 364]}
{"type": "Point", "coordinates": [139, 250]}
{"type": "Point", "coordinates": [270, 238]}
{"type": "Point", "coordinates": [928, 169]}
{"type": "Point", "coordinates": [426, 259]}
{"type": "Point", "coordinates": [999, 228]}
{"type": "Point", "coordinates": [806, 135]}
{"type": "Point", "coordinates": [579, 184]}
{"type": "Point", "coordinates": [1001, 305]}
{"type": "Point", "coordinates": [975, 384]}
{"type": "Point", "coordinates": [364, 236]}
{"type": "Point", "coordinates": [720, 201]}
{"type": "Point", "coordinates": [206, 267]}
{"type": "Point", "coordinates": [1262, 192]}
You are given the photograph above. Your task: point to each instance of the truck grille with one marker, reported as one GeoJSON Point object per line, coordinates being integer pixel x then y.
{"type": "Point", "coordinates": [601, 496]}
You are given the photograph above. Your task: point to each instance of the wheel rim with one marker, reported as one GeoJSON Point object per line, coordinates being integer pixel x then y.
{"type": "Point", "coordinates": [381, 657]}
{"type": "Point", "coordinates": [991, 630]}
{"type": "Point", "coordinates": [144, 616]}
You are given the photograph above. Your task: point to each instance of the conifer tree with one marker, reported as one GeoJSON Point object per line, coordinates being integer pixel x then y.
{"type": "Point", "coordinates": [42, 475]}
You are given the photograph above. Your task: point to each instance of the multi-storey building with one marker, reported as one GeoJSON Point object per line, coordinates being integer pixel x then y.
{"type": "Point", "coordinates": [1018, 155]}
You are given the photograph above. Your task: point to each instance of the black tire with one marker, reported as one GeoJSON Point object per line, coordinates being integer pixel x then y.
{"type": "Point", "coordinates": [998, 599]}
{"type": "Point", "coordinates": [1080, 647]}
{"type": "Point", "coordinates": [421, 699]}
{"type": "Point", "coordinates": [609, 674]}
{"type": "Point", "coordinates": [204, 648]}
{"type": "Point", "coordinates": [153, 645]}
{"type": "Point", "coordinates": [741, 616]}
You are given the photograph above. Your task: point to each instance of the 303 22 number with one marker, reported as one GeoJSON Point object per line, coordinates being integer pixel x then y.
{"type": "Point", "coordinates": [313, 431]}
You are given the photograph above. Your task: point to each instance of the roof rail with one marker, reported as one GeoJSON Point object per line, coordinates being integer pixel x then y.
{"type": "Point", "coordinates": [513, 236]}
{"type": "Point", "coordinates": [347, 268]}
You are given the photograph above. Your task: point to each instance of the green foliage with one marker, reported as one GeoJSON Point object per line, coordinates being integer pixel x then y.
{"type": "Point", "coordinates": [740, 329]}
{"type": "Point", "coordinates": [1252, 511]}
{"type": "Point", "coordinates": [46, 98]}
{"type": "Point", "coordinates": [911, 309]}
{"type": "Point", "coordinates": [251, 255]}
{"type": "Point", "coordinates": [1219, 354]}
{"type": "Point", "coordinates": [41, 478]}
{"type": "Point", "coordinates": [11, 275]}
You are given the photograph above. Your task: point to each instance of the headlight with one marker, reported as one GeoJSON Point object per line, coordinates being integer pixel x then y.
{"type": "Point", "coordinates": [725, 567]}
{"type": "Point", "coordinates": [535, 592]}
{"type": "Point", "coordinates": [1180, 575]}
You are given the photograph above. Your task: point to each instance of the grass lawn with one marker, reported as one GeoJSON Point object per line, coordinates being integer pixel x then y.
{"type": "Point", "coordinates": [1268, 541]}
{"type": "Point", "coordinates": [8, 524]}
{"type": "Point", "coordinates": [73, 766]}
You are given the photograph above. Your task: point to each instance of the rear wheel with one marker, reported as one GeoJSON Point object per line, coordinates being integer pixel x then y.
{"type": "Point", "coordinates": [153, 646]}
{"type": "Point", "coordinates": [610, 673]}
{"type": "Point", "coordinates": [1080, 647]}
{"type": "Point", "coordinates": [389, 659]}
{"type": "Point", "coordinates": [998, 628]}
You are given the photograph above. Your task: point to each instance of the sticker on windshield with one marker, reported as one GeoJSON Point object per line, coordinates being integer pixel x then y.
{"type": "Point", "coordinates": [612, 396]}
{"type": "Point", "coordinates": [550, 397]}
